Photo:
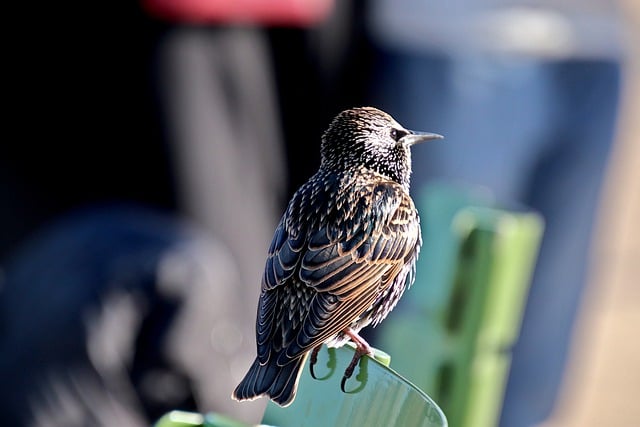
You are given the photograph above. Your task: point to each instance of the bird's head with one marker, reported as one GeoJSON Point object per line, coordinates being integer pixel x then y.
{"type": "Point", "coordinates": [371, 138]}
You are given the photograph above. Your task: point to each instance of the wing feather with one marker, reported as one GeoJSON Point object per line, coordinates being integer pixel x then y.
{"type": "Point", "coordinates": [321, 277]}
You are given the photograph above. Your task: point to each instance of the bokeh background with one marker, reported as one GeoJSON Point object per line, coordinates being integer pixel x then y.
{"type": "Point", "coordinates": [149, 150]}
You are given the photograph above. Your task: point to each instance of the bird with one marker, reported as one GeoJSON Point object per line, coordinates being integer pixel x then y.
{"type": "Point", "coordinates": [342, 254]}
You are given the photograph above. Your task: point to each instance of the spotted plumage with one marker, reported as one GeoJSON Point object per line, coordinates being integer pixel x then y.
{"type": "Point", "coordinates": [342, 254]}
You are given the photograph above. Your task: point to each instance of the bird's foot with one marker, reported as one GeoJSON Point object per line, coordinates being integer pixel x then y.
{"type": "Point", "coordinates": [313, 360]}
{"type": "Point", "coordinates": [362, 348]}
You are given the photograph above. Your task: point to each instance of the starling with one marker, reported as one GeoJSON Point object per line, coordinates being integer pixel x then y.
{"type": "Point", "coordinates": [342, 254]}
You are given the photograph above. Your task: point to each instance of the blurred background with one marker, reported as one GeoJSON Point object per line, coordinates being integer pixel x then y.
{"type": "Point", "coordinates": [151, 148]}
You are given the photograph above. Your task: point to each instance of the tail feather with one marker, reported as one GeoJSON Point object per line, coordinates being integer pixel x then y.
{"type": "Point", "coordinates": [280, 383]}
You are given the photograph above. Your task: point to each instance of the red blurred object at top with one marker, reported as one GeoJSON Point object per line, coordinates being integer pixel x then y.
{"type": "Point", "coordinates": [264, 12]}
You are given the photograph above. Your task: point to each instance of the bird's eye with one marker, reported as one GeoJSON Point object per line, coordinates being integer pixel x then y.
{"type": "Point", "coordinates": [397, 134]}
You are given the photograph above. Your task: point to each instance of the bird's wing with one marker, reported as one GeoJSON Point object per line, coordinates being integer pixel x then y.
{"type": "Point", "coordinates": [315, 286]}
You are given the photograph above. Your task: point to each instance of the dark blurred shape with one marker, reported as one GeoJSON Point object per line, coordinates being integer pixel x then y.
{"type": "Point", "coordinates": [82, 117]}
{"type": "Point", "coordinates": [114, 316]}
{"type": "Point", "coordinates": [112, 104]}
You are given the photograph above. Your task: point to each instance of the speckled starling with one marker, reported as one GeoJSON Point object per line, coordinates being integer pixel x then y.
{"type": "Point", "coordinates": [342, 254]}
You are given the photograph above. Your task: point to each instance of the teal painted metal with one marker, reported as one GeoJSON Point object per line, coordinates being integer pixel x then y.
{"type": "Point", "coordinates": [376, 396]}
{"type": "Point", "coordinates": [452, 332]}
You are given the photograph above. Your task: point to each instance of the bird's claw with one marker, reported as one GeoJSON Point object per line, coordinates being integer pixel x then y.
{"type": "Point", "coordinates": [343, 382]}
{"type": "Point", "coordinates": [313, 375]}
{"type": "Point", "coordinates": [349, 371]}
{"type": "Point", "coordinates": [362, 348]}
{"type": "Point", "coordinates": [345, 377]}
{"type": "Point", "coordinates": [313, 360]}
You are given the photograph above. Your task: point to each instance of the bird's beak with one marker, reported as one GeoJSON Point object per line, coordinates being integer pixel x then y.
{"type": "Point", "coordinates": [417, 137]}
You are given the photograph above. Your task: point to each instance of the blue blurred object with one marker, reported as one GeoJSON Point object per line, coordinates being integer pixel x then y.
{"type": "Point", "coordinates": [527, 99]}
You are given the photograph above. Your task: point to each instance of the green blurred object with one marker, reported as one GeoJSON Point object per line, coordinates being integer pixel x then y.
{"type": "Point", "coordinates": [376, 396]}
{"type": "Point", "coordinates": [180, 419]}
{"type": "Point", "coordinates": [453, 331]}
{"type": "Point", "coordinates": [192, 419]}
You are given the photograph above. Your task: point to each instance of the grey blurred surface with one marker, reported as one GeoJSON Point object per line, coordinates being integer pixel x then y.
{"type": "Point", "coordinates": [603, 377]}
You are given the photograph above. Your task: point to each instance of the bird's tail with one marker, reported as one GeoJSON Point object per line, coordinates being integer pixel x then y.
{"type": "Point", "coordinates": [280, 383]}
